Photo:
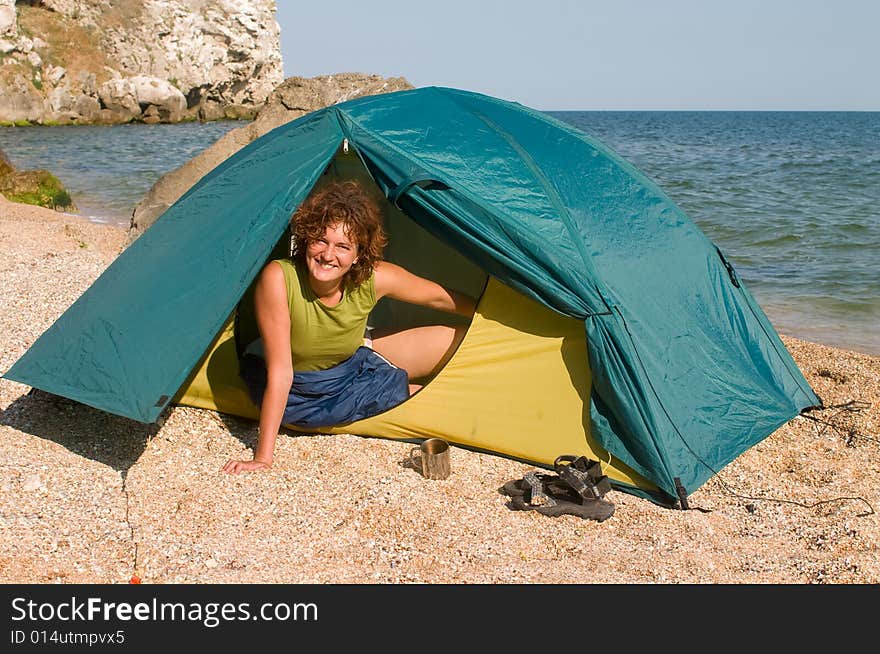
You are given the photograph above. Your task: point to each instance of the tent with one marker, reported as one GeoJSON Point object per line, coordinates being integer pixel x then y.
{"type": "Point", "coordinates": [608, 325]}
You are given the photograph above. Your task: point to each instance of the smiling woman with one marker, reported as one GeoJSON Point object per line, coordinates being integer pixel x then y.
{"type": "Point", "coordinates": [315, 362]}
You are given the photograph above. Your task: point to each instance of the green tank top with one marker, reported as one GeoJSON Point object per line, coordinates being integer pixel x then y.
{"type": "Point", "coordinates": [322, 336]}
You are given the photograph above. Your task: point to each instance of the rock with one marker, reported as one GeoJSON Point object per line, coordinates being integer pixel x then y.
{"type": "Point", "coordinates": [87, 82]}
{"type": "Point", "coordinates": [55, 74]}
{"type": "Point", "coordinates": [145, 98]}
{"type": "Point", "coordinates": [37, 187]}
{"type": "Point", "coordinates": [111, 117]}
{"type": "Point", "coordinates": [20, 100]}
{"type": "Point", "coordinates": [151, 115]}
{"type": "Point", "coordinates": [157, 93]}
{"type": "Point", "coordinates": [118, 95]}
{"type": "Point", "coordinates": [239, 112]}
{"type": "Point", "coordinates": [6, 166]}
{"type": "Point", "coordinates": [8, 24]}
{"type": "Point", "coordinates": [295, 97]}
{"type": "Point", "coordinates": [32, 483]}
{"type": "Point", "coordinates": [176, 54]}
{"type": "Point", "coordinates": [87, 108]}
{"type": "Point", "coordinates": [209, 110]}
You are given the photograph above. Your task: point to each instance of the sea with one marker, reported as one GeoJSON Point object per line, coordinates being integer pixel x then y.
{"type": "Point", "coordinates": [791, 198]}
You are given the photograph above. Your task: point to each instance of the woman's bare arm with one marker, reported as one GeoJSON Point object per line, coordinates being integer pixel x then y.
{"type": "Point", "coordinates": [273, 320]}
{"type": "Point", "coordinates": [400, 284]}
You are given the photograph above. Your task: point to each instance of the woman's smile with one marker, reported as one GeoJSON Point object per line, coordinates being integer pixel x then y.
{"type": "Point", "coordinates": [330, 257]}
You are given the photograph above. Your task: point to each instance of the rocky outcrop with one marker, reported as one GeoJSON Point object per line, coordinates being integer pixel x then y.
{"type": "Point", "coordinates": [37, 187]}
{"type": "Point", "coordinates": [292, 99]}
{"type": "Point", "coordinates": [113, 61]}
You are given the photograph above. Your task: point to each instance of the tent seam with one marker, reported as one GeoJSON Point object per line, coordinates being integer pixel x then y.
{"type": "Point", "coordinates": [542, 179]}
{"type": "Point", "coordinates": [549, 189]}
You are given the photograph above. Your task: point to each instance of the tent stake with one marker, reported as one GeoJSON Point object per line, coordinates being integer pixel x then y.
{"type": "Point", "coordinates": [682, 493]}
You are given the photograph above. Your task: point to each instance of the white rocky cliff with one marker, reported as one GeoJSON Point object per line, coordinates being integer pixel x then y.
{"type": "Point", "coordinates": [112, 61]}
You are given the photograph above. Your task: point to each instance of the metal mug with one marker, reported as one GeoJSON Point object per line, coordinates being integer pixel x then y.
{"type": "Point", "coordinates": [434, 455]}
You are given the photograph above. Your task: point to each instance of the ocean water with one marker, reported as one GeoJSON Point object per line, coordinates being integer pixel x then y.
{"type": "Point", "coordinates": [109, 169]}
{"type": "Point", "coordinates": [792, 198]}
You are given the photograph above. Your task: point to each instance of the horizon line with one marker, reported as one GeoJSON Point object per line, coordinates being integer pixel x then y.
{"type": "Point", "coordinates": [863, 111]}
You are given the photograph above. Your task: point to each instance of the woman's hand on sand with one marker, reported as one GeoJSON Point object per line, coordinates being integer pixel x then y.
{"type": "Point", "coordinates": [234, 467]}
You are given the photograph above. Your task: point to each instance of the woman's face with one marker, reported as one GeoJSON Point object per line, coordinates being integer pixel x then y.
{"type": "Point", "coordinates": [330, 257]}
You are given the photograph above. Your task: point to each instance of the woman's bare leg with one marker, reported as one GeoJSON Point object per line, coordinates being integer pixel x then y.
{"type": "Point", "coordinates": [421, 351]}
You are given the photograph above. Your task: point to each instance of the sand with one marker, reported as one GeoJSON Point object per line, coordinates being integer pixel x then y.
{"type": "Point", "coordinates": [88, 497]}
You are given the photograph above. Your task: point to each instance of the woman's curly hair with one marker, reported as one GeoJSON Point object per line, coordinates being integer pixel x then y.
{"type": "Point", "coordinates": [348, 203]}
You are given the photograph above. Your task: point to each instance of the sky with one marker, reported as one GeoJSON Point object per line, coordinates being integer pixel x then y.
{"type": "Point", "coordinates": [559, 55]}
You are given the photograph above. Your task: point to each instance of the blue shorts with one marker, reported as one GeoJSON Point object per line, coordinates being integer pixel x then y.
{"type": "Point", "coordinates": [363, 385]}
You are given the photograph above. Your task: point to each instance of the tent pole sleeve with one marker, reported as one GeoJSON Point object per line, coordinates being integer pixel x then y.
{"type": "Point", "coordinates": [420, 179]}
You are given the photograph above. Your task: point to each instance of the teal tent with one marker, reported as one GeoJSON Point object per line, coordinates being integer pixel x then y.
{"type": "Point", "coordinates": [686, 370]}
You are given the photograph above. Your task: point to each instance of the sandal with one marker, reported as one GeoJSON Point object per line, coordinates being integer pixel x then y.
{"type": "Point", "coordinates": [597, 510]}
{"type": "Point", "coordinates": [578, 490]}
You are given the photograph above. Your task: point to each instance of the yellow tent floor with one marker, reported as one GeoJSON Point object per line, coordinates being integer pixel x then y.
{"type": "Point", "coordinates": [518, 386]}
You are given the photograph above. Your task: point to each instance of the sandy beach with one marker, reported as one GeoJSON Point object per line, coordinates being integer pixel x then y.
{"type": "Point", "coordinates": [88, 497]}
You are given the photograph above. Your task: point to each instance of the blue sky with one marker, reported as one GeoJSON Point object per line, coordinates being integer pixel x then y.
{"type": "Point", "coordinates": [609, 54]}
